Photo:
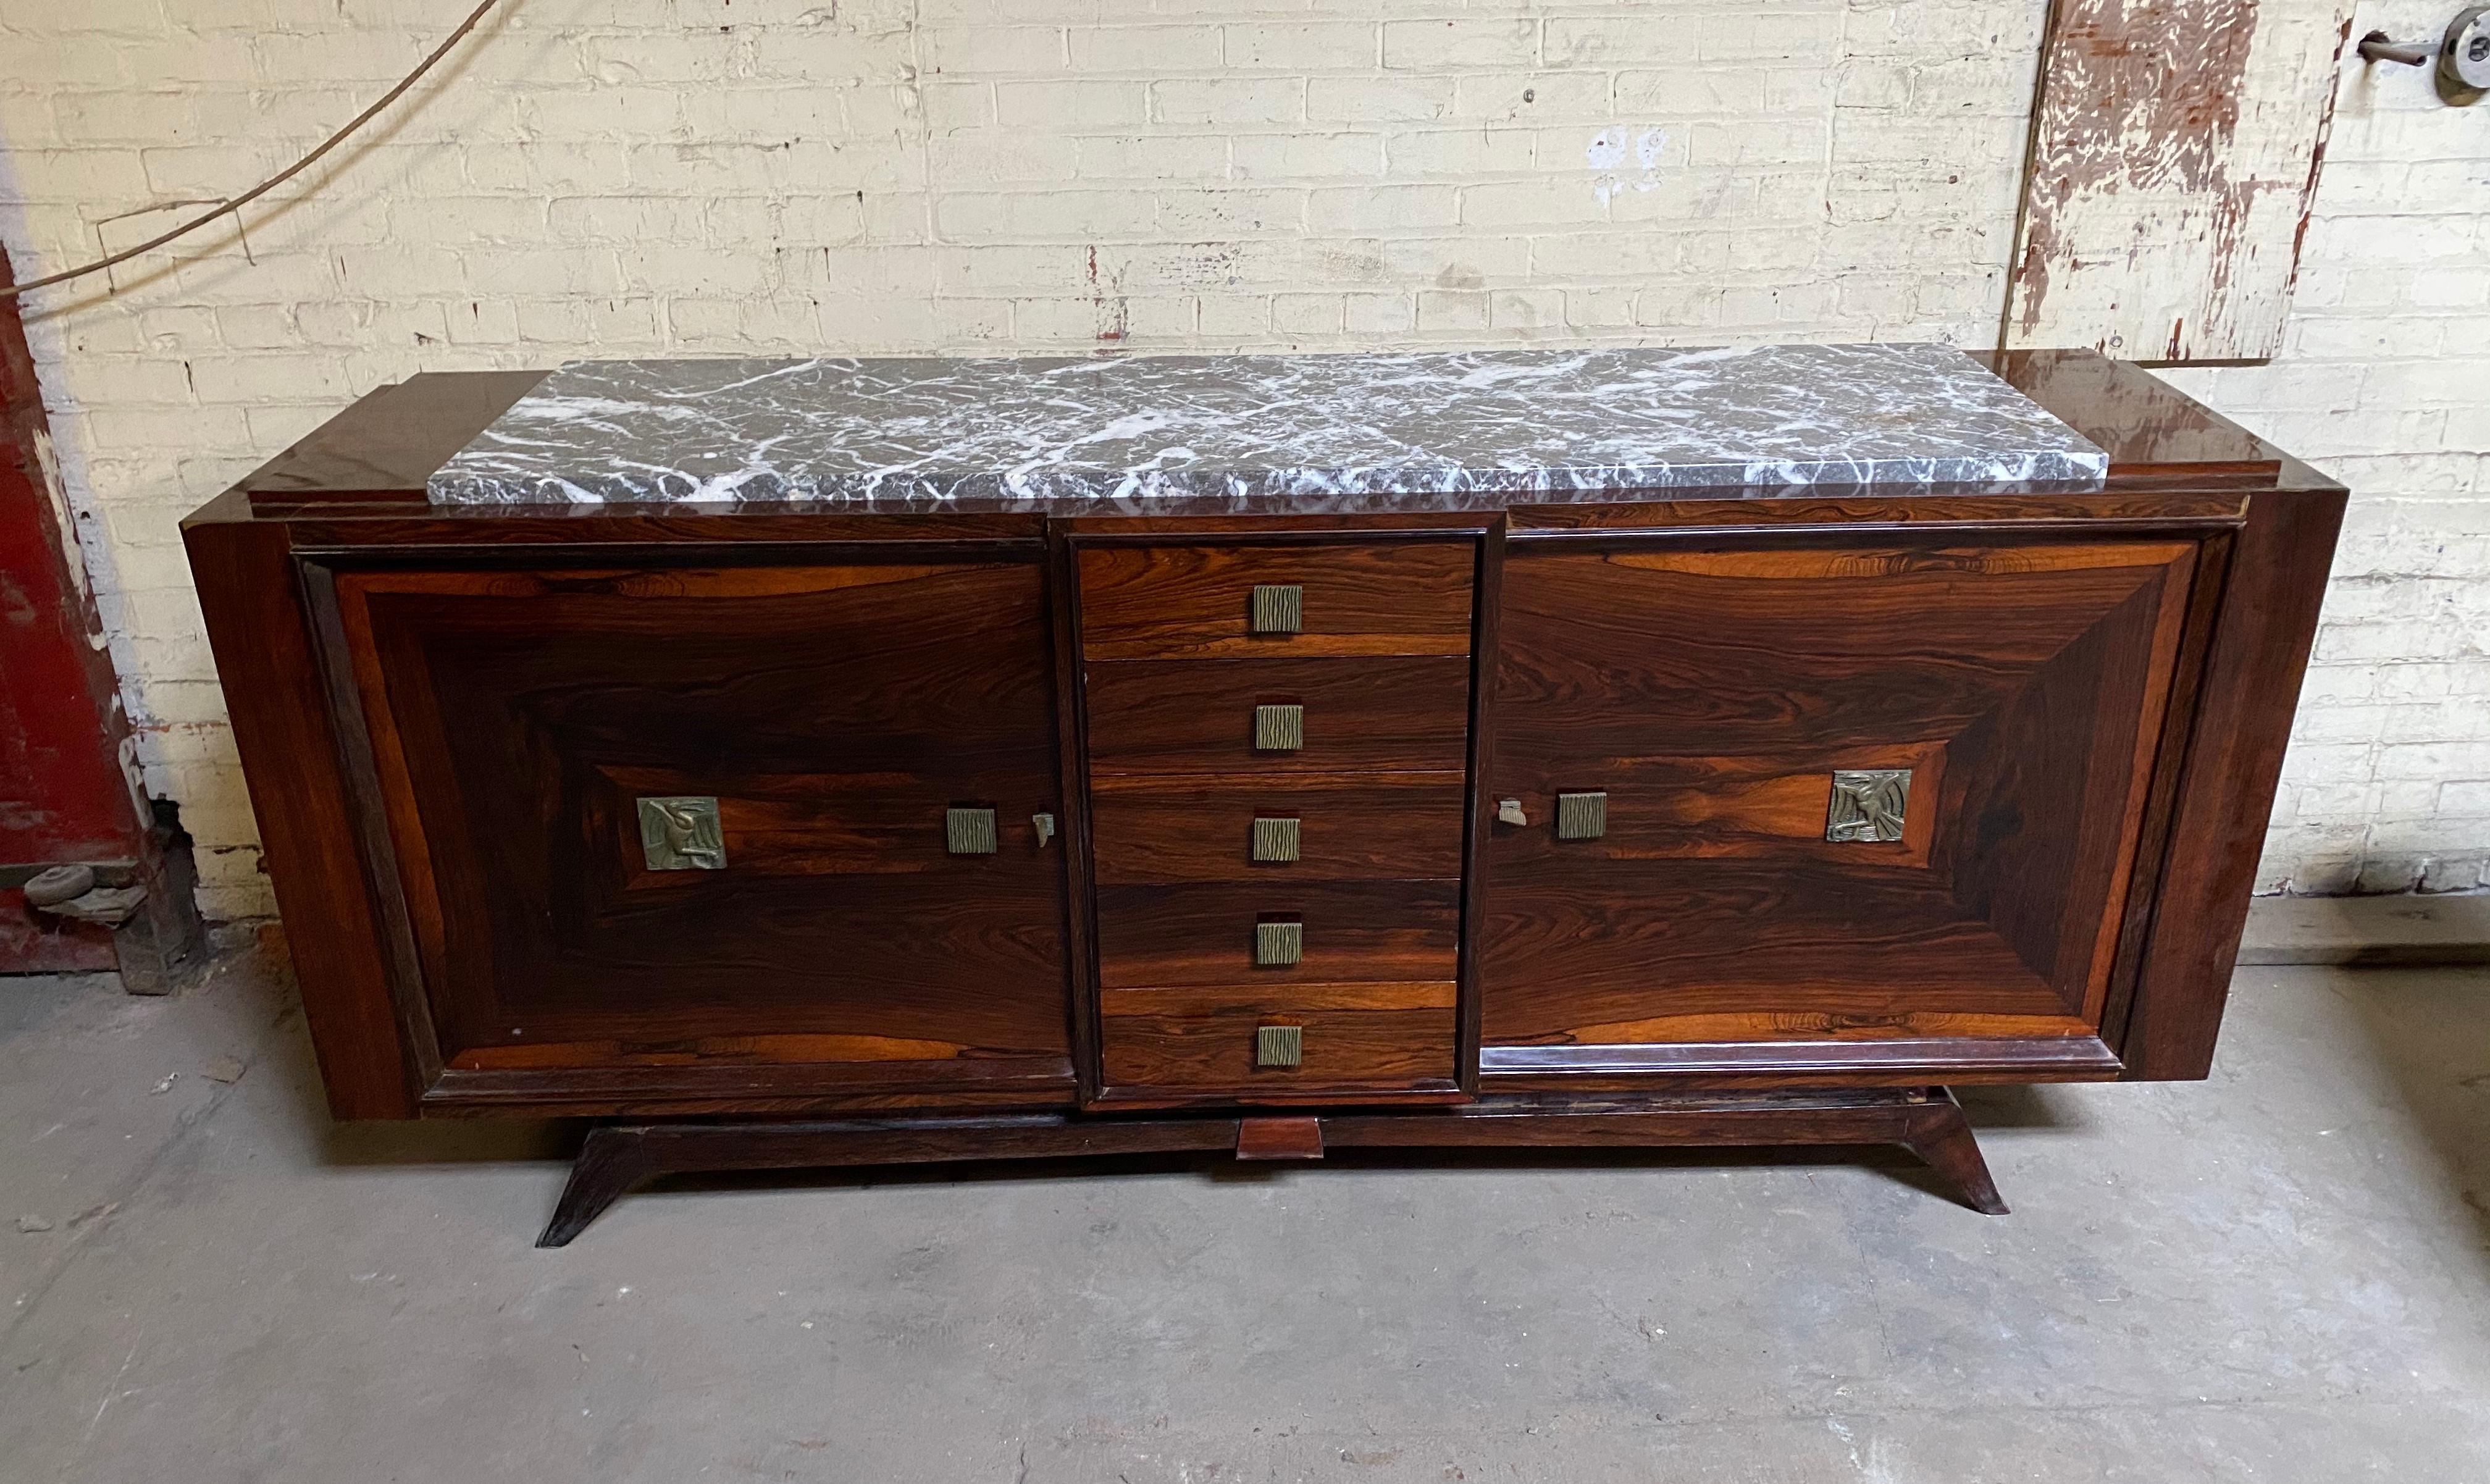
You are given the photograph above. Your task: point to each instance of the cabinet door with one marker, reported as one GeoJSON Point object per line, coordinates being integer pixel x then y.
{"type": "Point", "coordinates": [1857, 798]}
{"type": "Point", "coordinates": [686, 834]}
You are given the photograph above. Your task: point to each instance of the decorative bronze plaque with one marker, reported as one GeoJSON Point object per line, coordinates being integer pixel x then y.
{"type": "Point", "coordinates": [1867, 804]}
{"type": "Point", "coordinates": [682, 835]}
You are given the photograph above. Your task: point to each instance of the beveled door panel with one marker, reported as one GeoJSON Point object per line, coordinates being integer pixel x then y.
{"type": "Point", "coordinates": [812, 728]}
{"type": "Point", "coordinates": [2011, 695]}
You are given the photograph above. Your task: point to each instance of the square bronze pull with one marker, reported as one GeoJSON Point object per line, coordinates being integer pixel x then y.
{"type": "Point", "coordinates": [682, 835]}
{"type": "Point", "coordinates": [1581, 816]}
{"type": "Point", "coordinates": [1275, 839]}
{"type": "Point", "coordinates": [1277, 944]}
{"type": "Point", "coordinates": [1279, 728]}
{"type": "Point", "coordinates": [968, 831]}
{"type": "Point", "coordinates": [1867, 804]}
{"type": "Point", "coordinates": [1278, 609]}
{"type": "Point", "coordinates": [1279, 1045]}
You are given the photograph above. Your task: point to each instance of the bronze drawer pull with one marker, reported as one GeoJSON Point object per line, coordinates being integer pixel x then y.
{"type": "Point", "coordinates": [1279, 944]}
{"type": "Point", "coordinates": [682, 835]}
{"type": "Point", "coordinates": [1279, 728]}
{"type": "Point", "coordinates": [1279, 1045]}
{"type": "Point", "coordinates": [1278, 609]}
{"type": "Point", "coordinates": [968, 831]}
{"type": "Point", "coordinates": [1275, 839]}
{"type": "Point", "coordinates": [1581, 816]}
{"type": "Point", "coordinates": [1867, 804]}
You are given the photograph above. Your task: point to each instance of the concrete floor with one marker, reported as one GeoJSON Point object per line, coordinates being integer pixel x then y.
{"type": "Point", "coordinates": [2281, 1274]}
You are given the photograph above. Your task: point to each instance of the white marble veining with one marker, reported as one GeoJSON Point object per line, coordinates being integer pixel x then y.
{"type": "Point", "coordinates": [1373, 431]}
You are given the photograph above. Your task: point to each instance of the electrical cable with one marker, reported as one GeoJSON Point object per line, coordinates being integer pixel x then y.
{"type": "Point", "coordinates": [237, 203]}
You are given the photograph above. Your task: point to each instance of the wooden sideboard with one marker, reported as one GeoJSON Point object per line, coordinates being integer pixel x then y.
{"type": "Point", "coordinates": [811, 835]}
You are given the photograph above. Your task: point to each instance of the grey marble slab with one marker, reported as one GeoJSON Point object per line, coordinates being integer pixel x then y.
{"type": "Point", "coordinates": [1371, 431]}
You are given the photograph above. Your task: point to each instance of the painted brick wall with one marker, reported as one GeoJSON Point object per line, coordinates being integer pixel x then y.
{"type": "Point", "coordinates": [626, 177]}
{"type": "Point", "coordinates": [2384, 383]}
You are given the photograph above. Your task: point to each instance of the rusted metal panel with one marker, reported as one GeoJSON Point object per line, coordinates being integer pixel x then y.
{"type": "Point", "coordinates": [2175, 150]}
{"type": "Point", "coordinates": [64, 794]}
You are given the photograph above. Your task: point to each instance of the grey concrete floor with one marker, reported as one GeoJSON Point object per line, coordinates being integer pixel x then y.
{"type": "Point", "coordinates": [2281, 1274]}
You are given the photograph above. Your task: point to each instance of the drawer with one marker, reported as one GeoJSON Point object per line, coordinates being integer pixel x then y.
{"type": "Point", "coordinates": [1349, 827]}
{"type": "Point", "coordinates": [1353, 1037]}
{"type": "Point", "coordinates": [1348, 932]}
{"type": "Point", "coordinates": [1187, 716]}
{"type": "Point", "coordinates": [1170, 602]}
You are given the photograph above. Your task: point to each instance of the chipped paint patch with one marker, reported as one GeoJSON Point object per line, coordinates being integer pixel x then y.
{"type": "Point", "coordinates": [1608, 154]}
{"type": "Point", "coordinates": [2173, 165]}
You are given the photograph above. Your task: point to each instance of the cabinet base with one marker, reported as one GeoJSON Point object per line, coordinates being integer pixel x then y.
{"type": "Point", "coordinates": [1926, 1120]}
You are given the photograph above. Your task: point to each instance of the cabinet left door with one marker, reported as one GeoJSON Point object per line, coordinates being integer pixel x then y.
{"type": "Point", "coordinates": [725, 837]}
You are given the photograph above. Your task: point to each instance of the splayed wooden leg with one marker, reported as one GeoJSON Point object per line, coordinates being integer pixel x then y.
{"type": "Point", "coordinates": [1942, 1136]}
{"type": "Point", "coordinates": [610, 1163]}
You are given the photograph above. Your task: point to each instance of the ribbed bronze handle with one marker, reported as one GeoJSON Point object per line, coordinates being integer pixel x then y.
{"type": "Point", "coordinates": [1581, 816]}
{"type": "Point", "coordinates": [968, 831]}
{"type": "Point", "coordinates": [1275, 839]}
{"type": "Point", "coordinates": [1279, 1045]}
{"type": "Point", "coordinates": [1279, 944]}
{"type": "Point", "coordinates": [1279, 728]}
{"type": "Point", "coordinates": [1279, 608]}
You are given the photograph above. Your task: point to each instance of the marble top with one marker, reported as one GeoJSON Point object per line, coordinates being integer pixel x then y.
{"type": "Point", "coordinates": [1372, 431]}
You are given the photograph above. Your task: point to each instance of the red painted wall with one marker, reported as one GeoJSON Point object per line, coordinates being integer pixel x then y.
{"type": "Point", "coordinates": [62, 794]}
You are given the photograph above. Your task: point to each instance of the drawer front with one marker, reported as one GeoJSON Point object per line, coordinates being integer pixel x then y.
{"type": "Point", "coordinates": [1347, 932]}
{"type": "Point", "coordinates": [1199, 716]}
{"type": "Point", "coordinates": [1864, 793]}
{"type": "Point", "coordinates": [1203, 1043]}
{"type": "Point", "coordinates": [1349, 827]}
{"type": "Point", "coordinates": [1174, 603]}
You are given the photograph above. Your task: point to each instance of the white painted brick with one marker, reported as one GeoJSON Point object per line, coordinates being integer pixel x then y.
{"type": "Point", "coordinates": [1306, 313]}
{"type": "Point", "coordinates": [1441, 46]}
{"type": "Point", "coordinates": [1231, 212]}
{"type": "Point", "coordinates": [1151, 50]}
{"type": "Point", "coordinates": [1533, 97]}
{"type": "Point", "coordinates": [1383, 208]}
{"type": "Point", "coordinates": [1309, 155]}
{"type": "Point", "coordinates": [1381, 314]}
{"type": "Point", "coordinates": [1150, 157]}
{"type": "Point", "coordinates": [1303, 46]}
{"type": "Point", "coordinates": [1085, 103]}
{"type": "Point", "coordinates": [1445, 312]}
{"type": "Point", "coordinates": [1462, 152]}
{"type": "Point", "coordinates": [1377, 101]}
{"type": "Point", "coordinates": [1003, 51]}
{"type": "Point", "coordinates": [1229, 100]}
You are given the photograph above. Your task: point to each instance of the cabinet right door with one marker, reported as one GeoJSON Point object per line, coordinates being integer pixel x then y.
{"type": "Point", "coordinates": [1848, 796]}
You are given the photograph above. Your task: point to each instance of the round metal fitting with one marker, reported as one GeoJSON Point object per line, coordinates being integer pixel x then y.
{"type": "Point", "coordinates": [59, 884]}
{"type": "Point", "coordinates": [2464, 61]}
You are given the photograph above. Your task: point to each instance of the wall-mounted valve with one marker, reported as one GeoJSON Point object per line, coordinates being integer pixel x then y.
{"type": "Point", "coordinates": [2462, 54]}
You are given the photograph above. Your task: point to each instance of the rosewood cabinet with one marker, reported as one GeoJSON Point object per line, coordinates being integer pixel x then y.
{"type": "Point", "coordinates": [1010, 826]}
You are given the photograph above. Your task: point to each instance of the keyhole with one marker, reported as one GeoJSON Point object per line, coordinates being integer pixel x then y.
{"type": "Point", "coordinates": [2477, 50]}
